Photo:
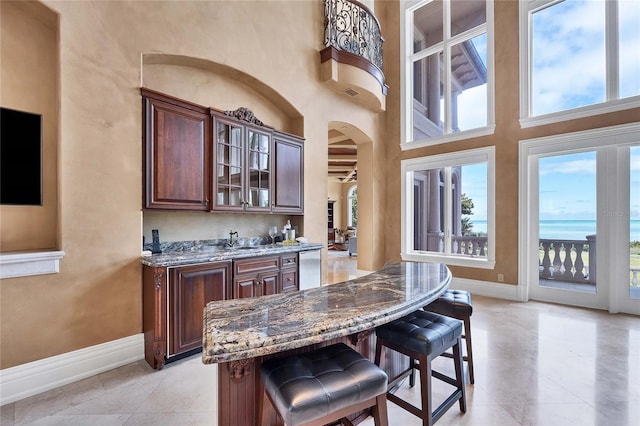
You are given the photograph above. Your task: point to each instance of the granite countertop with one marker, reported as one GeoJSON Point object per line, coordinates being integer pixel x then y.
{"type": "Point", "coordinates": [248, 328]}
{"type": "Point", "coordinates": [200, 252]}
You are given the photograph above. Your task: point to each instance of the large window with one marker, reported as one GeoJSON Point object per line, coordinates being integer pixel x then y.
{"type": "Point", "coordinates": [448, 71]}
{"type": "Point", "coordinates": [448, 208]}
{"type": "Point", "coordinates": [579, 58]}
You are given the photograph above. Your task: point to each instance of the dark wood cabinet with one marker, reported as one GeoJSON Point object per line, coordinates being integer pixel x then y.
{"type": "Point", "coordinates": [190, 289]}
{"type": "Point", "coordinates": [242, 164]}
{"type": "Point", "coordinates": [172, 303]}
{"type": "Point", "coordinates": [199, 158]}
{"type": "Point", "coordinates": [177, 137]}
{"type": "Point", "coordinates": [331, 233]}
{"type": "Point", "coordinates": [174, 298]}
{"type": "Point", "coordinates": [288, 187]}
{"type": "Point", "coordinates": [256, 276]}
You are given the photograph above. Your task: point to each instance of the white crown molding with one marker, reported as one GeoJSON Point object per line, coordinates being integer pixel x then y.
{"type": "Point", "coordinates": [39, 376]}
{"type": "Point", "coordinates": [22, 264]}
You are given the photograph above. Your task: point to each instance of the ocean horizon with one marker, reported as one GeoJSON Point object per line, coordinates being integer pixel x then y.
{"type": "Point", "coordinates": [566, 229]}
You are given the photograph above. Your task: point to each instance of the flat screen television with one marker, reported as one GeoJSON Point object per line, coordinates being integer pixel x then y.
{"type": "Point", "coordinates": [20, 157]}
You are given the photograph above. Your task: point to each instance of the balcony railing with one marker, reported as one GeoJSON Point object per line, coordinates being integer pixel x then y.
{"type": "Point", "coordinates": [568, 264]}
{"type": "Point", "coordinates": [351, 28]}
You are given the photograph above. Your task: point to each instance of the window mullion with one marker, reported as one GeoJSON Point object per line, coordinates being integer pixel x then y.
{"type": "Point", "coordinates": [446, 82]}
{"type": "Point", "coordinates": [611, 49]}
{"type": "Point", "coordinates": [448, 209]}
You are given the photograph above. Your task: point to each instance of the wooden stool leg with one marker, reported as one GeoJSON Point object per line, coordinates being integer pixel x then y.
{"type": "Point", "coordinates": [467, 338]}
{"type": "Point", "coordinates": [425, 390]}
{"type": "Point", "coordinates": [459, 367]}
{"type": "Point", "coordinates": [412, 376]}
{"type": "Point", "coordinates": [380, 411]}
{"type": "Point", "coordinates": [378, 352]}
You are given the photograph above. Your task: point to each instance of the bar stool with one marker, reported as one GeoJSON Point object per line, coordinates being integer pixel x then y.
{"type": "Point", "coordinates": [423, 336]}
{"type": "Point", "coordinates": [457, 304]}
{"type": "Point", "coordinates": [323, 386]}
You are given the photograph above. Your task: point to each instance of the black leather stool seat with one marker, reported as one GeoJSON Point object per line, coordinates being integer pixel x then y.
{"type": "Point", "coordinates": [424, 336]}
{"type": "Point", "coordinates": [423, 332]}
{"type": "Point", "coordinates": [457, 304]}
{"type": "Point", "coordinates": [453, 303]}
{"type": "Point", "coordinates": [312, 385]}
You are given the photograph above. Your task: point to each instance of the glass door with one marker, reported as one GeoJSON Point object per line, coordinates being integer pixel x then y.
{"type": "Point", "coordinates": [580, 215]}
{"type": "Point", "coordinates": [259, 170]}
{"type": "Point", "coordinates": [567, 225]}
{"type": "Point", "coordinates": [627, 222]}
{"type": "Point", "coordinates": [229, 161]}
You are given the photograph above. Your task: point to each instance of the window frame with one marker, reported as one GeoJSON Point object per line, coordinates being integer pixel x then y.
{"type": "Point", "coordinates": [459, 158]}
{"type": "Point", "coordinates": [406, 73]}
{"type": "Point", "coordinates": [613, 102]}
{"type": "Point", "coordinates": [350, 198]}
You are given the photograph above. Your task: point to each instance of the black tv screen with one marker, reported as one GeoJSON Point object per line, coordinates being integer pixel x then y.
{"type": "Point", "coordinates": [20, 157]}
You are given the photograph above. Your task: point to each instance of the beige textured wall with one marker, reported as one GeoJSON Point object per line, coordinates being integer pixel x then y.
{"type": "Point", "coordinates": [271, 48]}
{"type": "Point", "coordinates": [29, 82]}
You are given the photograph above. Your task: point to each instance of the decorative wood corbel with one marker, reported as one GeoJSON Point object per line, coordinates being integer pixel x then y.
{"type": "Point", "coordinates": [240, 368]}
{"type": "Point", "coordinates": [245, 114]}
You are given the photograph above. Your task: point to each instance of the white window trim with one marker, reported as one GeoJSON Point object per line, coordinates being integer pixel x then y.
{"type": "Point", "coordinates": [406, 82]}
{"type": "Point", "coordinates": [443, 160]}
{"type": "Point", "coordinates": [612, 104]}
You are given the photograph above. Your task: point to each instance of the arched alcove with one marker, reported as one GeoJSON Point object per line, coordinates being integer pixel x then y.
{"type": "Point", "coordinates": [219, 86]}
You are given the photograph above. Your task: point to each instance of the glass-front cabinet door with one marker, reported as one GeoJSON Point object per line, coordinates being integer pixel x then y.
{"type": "Point", "coordinates": [229, 165]}
{"type": "Point", "coordinates": [242, 179]}
{"type": "Point", "coordinates": [258, 170]}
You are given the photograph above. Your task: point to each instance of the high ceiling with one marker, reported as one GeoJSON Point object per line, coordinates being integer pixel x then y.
{"type": "Point", "coordinates": [343, 158]}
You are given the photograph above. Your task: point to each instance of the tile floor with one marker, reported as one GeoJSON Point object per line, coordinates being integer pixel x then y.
{"type": "Point", "coordinates": [535, 364]}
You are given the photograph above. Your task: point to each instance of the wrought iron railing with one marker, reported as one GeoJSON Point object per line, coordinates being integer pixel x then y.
{"type": "Point", "coordinates": [351, 27]}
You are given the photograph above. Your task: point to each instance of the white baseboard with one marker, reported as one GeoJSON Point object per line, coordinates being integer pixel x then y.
{"type": "Point", "coordinates": [489, 289]}
{"type": "Point", "coordinates": [39, 376]}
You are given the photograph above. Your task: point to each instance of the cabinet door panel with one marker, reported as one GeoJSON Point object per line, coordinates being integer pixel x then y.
{"type": "Point", "coordinates": [229, 163]}
{"type": "Point", "coordinates": [192, 287]}
{"type": "Point", "coordinates": [271, 284]}
{"type": "Point", "coordinates": [177, 159]}
{"type": "Point", "coordinates": [244, 287]}
{"type": "Point", "coordinates": [288, 187]}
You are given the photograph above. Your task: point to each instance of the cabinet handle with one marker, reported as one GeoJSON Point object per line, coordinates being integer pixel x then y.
{"type": "Point", "coordinates": [289, 279]}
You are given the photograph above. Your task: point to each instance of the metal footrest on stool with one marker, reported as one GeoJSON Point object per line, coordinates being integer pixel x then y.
{"type": "Point", "coordinates": [325, 385]}
{"type": "Point", "coordinates": [423, 336]}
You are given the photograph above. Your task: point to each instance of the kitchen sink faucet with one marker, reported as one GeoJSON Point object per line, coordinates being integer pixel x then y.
{"type": "Point", "coordinates": [231, 242]}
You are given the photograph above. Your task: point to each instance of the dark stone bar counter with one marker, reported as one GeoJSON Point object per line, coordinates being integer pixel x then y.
{"type": "Point", "coordinates": [239, 334]}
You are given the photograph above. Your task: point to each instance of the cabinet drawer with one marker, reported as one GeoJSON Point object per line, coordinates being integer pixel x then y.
{"type": "Point", "coordinates": [255, 265]}
{"type": "Point", "coordinates": [289, 260]}
{"type": "Point", "coordinates": [289, 280]}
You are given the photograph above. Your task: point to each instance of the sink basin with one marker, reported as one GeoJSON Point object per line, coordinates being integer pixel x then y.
{"type": "Point", "coordinates": [248, 248]}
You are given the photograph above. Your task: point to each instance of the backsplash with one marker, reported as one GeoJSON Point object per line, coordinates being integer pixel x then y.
{"type": "Point", "coordinates": [192, 245]}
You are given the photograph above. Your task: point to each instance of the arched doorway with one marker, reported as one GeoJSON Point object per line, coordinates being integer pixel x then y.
{"type": "Point", "coordinates": [350, 164]}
